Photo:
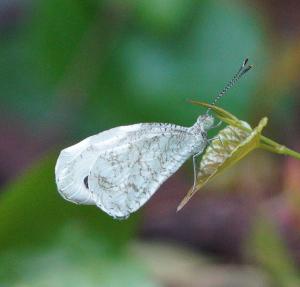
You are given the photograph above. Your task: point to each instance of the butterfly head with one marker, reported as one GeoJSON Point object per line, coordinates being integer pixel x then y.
{"type": "Point", "coordinates": [205, 122]}
{"type": "Point", "coordinates": [202, 125]}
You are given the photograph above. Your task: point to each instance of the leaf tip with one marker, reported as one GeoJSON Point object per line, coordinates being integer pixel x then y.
{"type": "Point", "coordinates": [264, 121]}
{"type": "Point", "coordinates": [179, 207]}
{"type": "Point", "coordinates": [183, 202]}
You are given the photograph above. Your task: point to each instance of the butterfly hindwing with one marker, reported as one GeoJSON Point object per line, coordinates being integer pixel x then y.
{"type": "Point", "coordinates": [124, 177]}
{"type": "Point", "coordinates": [74, 163]}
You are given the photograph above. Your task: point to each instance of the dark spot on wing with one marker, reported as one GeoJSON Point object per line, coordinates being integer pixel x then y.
{"type": "Point", "coordinates": [86, 183]}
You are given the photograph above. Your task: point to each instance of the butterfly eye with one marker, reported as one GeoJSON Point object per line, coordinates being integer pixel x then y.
{"type": "Point", "coordinates": [85, 181]}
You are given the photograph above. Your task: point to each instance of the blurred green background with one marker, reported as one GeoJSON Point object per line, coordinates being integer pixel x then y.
{"type": "Point", "coordinates": [73, 68]}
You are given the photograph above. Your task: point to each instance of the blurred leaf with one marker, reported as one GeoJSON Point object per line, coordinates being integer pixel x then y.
{"type": "Point", "coordinates": [198, 60]}
{"type": "Point", "coordinates": [32, 212]}
{"type": "Point", "coordinates": [230, 146]}
{"type": "Point", "coordinates": [47, 241]}
{"type": "Point", "coordinates": [37, 59]}
{"type": "Point", "coordinates": [74, 258]}
{"type": "Point", "coordinates": [57, 30]}
{"type": "Point", "coordinates": [267, 248]}
{"type": "Point", "coordinates": [163, 16]}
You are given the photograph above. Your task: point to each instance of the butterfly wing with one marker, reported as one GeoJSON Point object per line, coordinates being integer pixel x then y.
{"type": "Point", "coordinates": [124, 177]}
{"type": "Point", "coordinates": [74, 163]}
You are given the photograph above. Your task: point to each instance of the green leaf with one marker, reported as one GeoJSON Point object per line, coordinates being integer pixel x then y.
{"type": "Point", "coordinates": [230, 146]}
{"type": "Point", "coordinates": [265, 143]}
{"type": "Point", "coordinates": [224, 115]}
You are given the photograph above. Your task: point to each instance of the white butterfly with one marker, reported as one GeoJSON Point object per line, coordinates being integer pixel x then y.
{"type": "Point", "coordinates": [120, 169]}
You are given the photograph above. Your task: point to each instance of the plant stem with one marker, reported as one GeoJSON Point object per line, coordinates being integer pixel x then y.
{"type": "Point", "coordinates": [275, 147]}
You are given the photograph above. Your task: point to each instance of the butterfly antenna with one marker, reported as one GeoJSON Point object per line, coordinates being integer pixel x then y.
{"type": "Point", "coordinates": [242, 71]}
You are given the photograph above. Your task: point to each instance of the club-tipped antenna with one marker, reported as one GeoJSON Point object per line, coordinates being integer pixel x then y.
{"type": "Point", "coordinates": [242, 71]}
